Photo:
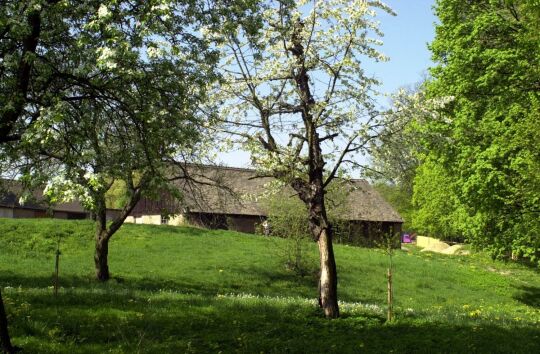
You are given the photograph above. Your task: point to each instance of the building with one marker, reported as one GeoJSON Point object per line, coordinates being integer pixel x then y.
{"type": "Point", "coordinates": [230, 198]}
{"type": "Point", "coordinates": [36, 206]}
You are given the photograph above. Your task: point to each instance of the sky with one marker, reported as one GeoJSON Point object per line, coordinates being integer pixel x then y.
{"type": "Point", "coordinates": [405, 41]}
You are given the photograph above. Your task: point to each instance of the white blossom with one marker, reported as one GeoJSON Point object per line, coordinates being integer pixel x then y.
{"type": "Point", "coordinates": [103, 11]}
{"type": "Point", "coordinates": [106, 58]}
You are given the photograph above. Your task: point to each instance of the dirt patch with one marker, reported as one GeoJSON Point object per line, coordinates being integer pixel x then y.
{"type": "Point", "coordinates": [436, 247]}
{"type": "Point", "coordinates": [444, 248]}
{"type": "Point", "coordinates": [455, 249]}
{"type": "Point", "coordinates": [501, 272]}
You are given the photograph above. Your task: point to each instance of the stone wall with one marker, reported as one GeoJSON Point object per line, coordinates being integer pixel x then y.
{"type": "Point", "coordinates": [6, 212]}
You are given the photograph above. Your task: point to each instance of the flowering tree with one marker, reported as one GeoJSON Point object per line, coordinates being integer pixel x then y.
{"type": "Point", "coordinates": [97, 92]}
{"type": "Point", "coordinates": [49, 47]}
{"type": "Point", "coordinates": [295, 93]}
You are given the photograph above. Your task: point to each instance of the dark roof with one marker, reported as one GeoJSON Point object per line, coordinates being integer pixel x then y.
{"type": "Point", "coordinates": [12, 190]}
{"type": "Point", "coordinates": [241, 190]}
{"type": "Point", "coordinates": [365, 203]}
{"type": "Point", "coordinates": [224, 190]}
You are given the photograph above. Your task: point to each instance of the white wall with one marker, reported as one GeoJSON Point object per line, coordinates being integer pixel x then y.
{"type": "Point", "coordinates": [156, 220]}
{"type": "Point", "coordinates": [177, 220]}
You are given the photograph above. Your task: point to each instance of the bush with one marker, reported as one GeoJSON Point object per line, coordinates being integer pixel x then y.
{"type": "Point", "coordinates": [287, 218]}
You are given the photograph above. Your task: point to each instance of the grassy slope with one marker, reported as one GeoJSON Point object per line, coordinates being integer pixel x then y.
{"type": "Point", "coordinates": [191, 290]}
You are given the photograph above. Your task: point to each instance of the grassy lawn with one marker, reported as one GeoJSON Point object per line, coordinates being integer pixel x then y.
{"type": "Point", "coordinates": [179, 290]}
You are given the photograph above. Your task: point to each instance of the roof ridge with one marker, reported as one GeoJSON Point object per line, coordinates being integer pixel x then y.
{"type": "Point", "coordinates": [221, 167]}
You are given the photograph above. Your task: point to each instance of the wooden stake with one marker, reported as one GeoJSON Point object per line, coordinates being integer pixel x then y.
{"type": "Point", "coordinates": [390, 296]}
{"type": "Point", "coordinates": [56, 267]}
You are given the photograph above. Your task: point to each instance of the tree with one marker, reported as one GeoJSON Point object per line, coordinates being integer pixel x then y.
{"type": "Point", "coordinates": [400, 161]}
{"type": "Point", "coordinates": [61, 57]}
{"type": "Point", "coordinates": [48, 47]}
{"type": "Point", "coordinates": [395, 154]}
{"type": "Point", "coordinates": [20, 29]}
{"type": "Point", "coordinates": [438, 210]}
{"type": "Point", "coordinates": [111, 93]}
{"type": "Point", "coordinates": [295, 92]}
{"type": "Point", "coordinates": [65, 63]}
{"type": "Point", "coordinates": [87, 155]}
{"type": "Point", "coordinates": [489, 146]}
{"type": "Point", "coordinates": [5, 340]}
{"type": "Point", "coordinates": [287, 219]}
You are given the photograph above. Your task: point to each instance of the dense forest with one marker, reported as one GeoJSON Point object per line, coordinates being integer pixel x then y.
{"type": "Point", "coordinates": [460, 153]}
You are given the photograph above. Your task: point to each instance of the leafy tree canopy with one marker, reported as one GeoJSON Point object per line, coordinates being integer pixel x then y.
{"type": "Point", "coordinates": [487, 54]}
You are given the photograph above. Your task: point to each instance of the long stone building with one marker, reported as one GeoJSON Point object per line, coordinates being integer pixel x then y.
{"type": "Point", "coordinates": [223, 198]}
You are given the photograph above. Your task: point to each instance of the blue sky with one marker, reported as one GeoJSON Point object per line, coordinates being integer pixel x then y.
{"type": "Point", "coordinates": [405, 42]}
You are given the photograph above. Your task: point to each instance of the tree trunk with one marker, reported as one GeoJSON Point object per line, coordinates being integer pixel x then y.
{"type": "Point", "coordinates": [16, 103]}
{"type": "Point", "coordinates": [5, 340]}
{"type": "Point", "coordinates": [322, 233]}
{"type": "Point", "coordinates": [101, 256]}
{"type": "Point", "coordinates": [104, 233]}
{"type": "Point", "coordinates": [312, 193]}
{"type": "Point", "coordinates": [328, 278]}
{"type": "Point", "coordinates": [102, 240]}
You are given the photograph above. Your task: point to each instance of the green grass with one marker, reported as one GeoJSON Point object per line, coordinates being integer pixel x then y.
{"type": "Point", "coordinates": [179, 290]}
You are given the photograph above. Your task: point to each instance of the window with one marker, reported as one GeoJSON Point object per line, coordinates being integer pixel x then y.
{"type": "Point", "coordinates": [164, 219]}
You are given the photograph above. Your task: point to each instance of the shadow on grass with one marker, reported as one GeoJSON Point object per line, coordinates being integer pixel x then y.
{"type": "Point", "coordinates": [83, 321]}
{"type": "Point", "coordinates": [529, 295]}
{"type": "Point", "coordinates": [268, 283]}
{"type": "Point", "coordinates": [116, 283]}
